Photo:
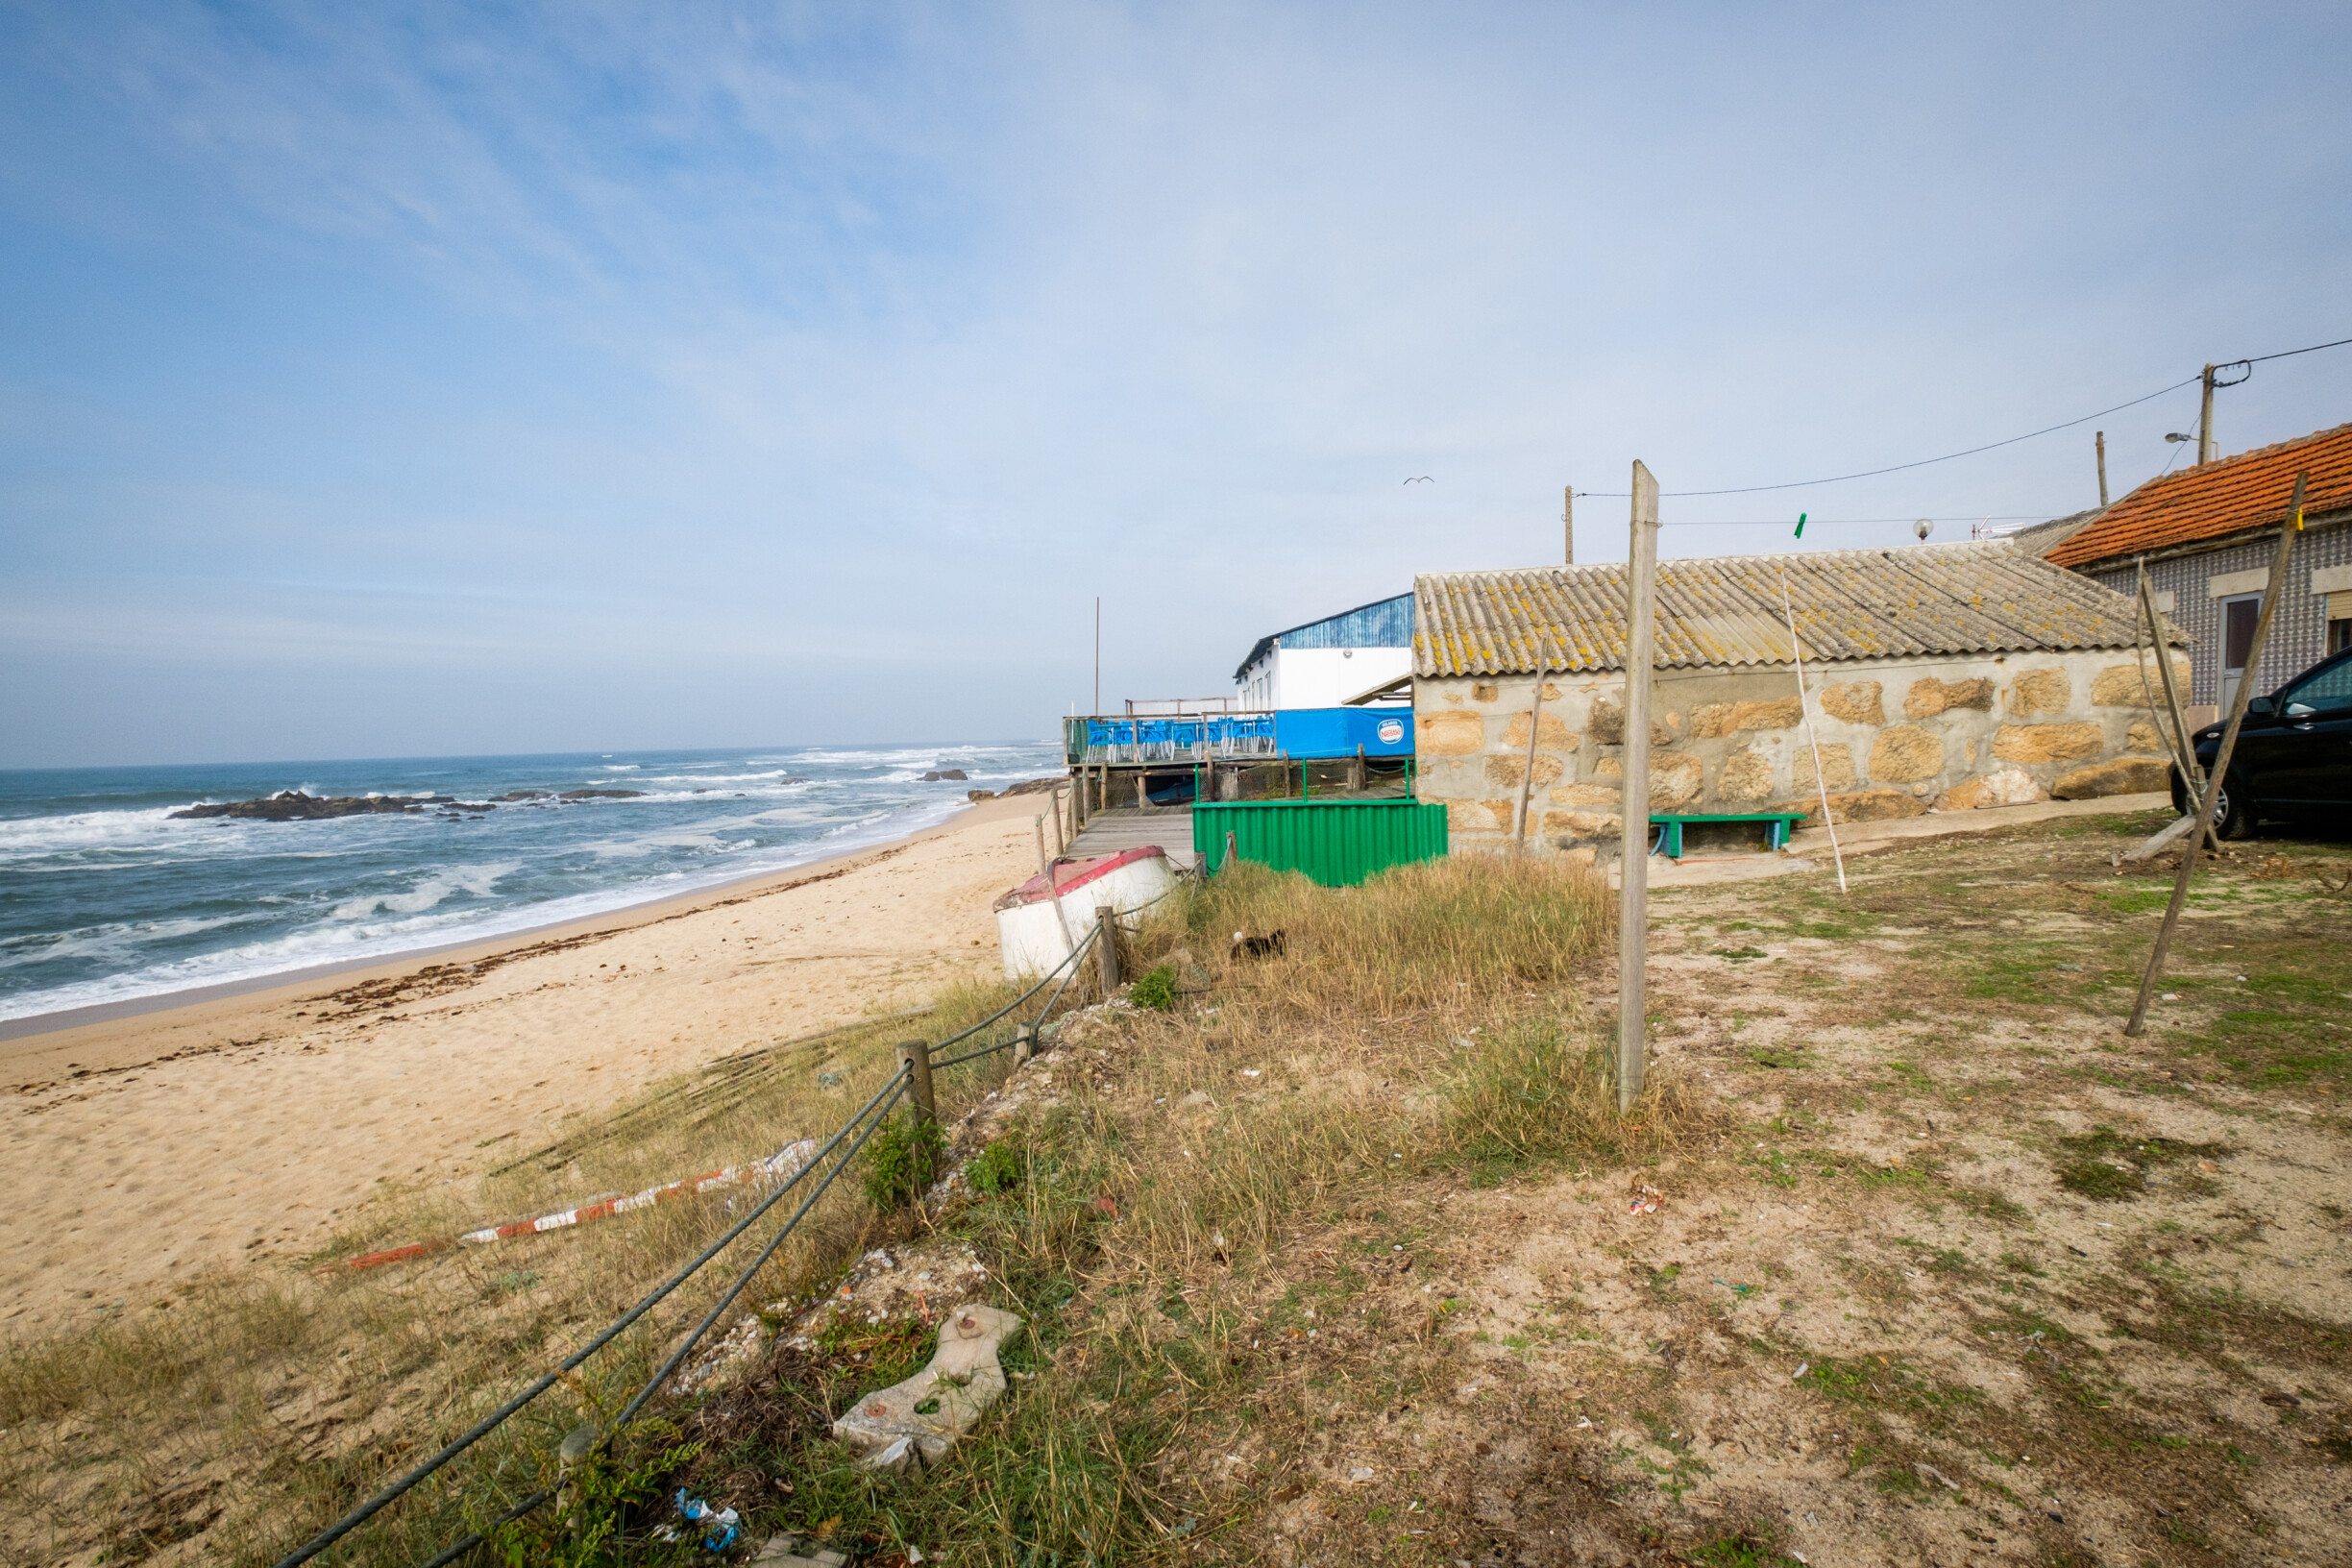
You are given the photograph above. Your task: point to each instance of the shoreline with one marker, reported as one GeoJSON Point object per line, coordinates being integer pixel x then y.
{"type": "Point", "coordinates": [242, 1131]}
{"type": "Point", "coordinates": [32, 1026]}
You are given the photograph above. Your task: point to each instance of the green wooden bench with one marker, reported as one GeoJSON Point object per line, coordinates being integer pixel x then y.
{"type": "Point", "coordinates": [1778, 826]}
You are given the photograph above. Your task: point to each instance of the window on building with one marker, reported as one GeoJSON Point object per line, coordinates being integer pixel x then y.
{"type": "Point", "coordinates": [2340, 636]}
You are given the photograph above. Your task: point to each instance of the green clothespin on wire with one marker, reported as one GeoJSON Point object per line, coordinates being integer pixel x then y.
{"type": "Point", "coordinates": [1801, 517]}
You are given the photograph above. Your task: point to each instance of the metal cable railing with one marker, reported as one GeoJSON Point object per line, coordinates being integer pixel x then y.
{"type": "Point", "coordinates": [1070, 963]}
{"type": "Point", "coordinates": [894, 1090]}
{"type": "Point", "coordinates": [867, 1120]}
{"type": "Point", "coordinates": [547, 1379]}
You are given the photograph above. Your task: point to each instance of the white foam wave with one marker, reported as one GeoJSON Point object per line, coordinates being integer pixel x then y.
{"type": "Point", "coordinates": [371, 942]}
{"type": "Point", "coordinates": [438, 884]}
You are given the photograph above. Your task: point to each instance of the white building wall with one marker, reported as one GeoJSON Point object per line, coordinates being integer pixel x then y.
{"type": "Point", "coordinates": [1320, 678]}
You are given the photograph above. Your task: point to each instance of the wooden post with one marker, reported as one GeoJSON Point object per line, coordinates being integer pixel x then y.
{"type": "Point", "coordinates": [2184, 755]}
{"type": "Point", "coordinates": [1232, 847]}
{"type": "Point", "coordinates": [1527, 779]}
{"type": "Point", "coordinates": [1061, 846]}
{"type": "Point", "coordinates": [1045, 866]}
{"type": "Point", "coordinates": [2102, 465]}
{"type": "Point", "coordinates": [2291, 525]}
{"type": "Point", "coordinates": [1024, 1043]}
{"type": "Point", "coordinates": [1797, 653]}
{"type": "Point", "coordinates": [1633, 892]}
{"type": "Point", "coordinates": [1143, 798]}
{"type": "Point", "coordinates": [918, 1058]}
{"type": "Point", "coordinates": [1106, 947]}
{"type": "Point", "coordinates": [1363, 772]}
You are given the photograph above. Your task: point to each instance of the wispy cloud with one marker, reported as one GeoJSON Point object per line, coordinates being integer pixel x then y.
{"type": "Point", "coordinates": [807, 333]}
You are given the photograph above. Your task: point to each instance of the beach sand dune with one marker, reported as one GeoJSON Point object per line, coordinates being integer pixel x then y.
{"type": "Point", "coordinates": [144, 1151]}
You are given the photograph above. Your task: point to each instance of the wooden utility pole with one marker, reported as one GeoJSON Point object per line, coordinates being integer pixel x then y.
{"type": "Point", "coordinates": [1568, 523]}
{"type": "Point", "coordinates": [2289, 527]}
{"type": "Point", "coordinates": [2102, 462]}
{"type": "Point", "coordinates": [2205, 439]}
{"type": "Point", "coordinates": [1098, 653]}
{"type": "Point", "coordinates": [1633, 893]}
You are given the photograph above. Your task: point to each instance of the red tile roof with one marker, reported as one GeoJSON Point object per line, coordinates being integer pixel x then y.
{"type": "Point", "coordinates": [2220, 499]}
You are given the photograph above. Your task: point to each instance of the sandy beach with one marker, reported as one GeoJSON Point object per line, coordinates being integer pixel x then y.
{"type": "Point", "coordinates": [244, 1129]}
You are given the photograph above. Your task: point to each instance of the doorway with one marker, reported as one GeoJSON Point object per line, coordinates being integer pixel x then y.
{"type": "Point", "coordinates": [2239, 613]}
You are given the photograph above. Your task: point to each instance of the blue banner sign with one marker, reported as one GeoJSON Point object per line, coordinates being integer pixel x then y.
{"type": "Point", "coordinates": [1298, 733]}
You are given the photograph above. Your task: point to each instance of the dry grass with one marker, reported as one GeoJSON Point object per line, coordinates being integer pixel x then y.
{"type": "Point", "coordinates": [1415, 1035]}
{"type": "Point", "coordinates": [264, 1402]}
{"type": "Point", "coordinates": [1421, 1029]}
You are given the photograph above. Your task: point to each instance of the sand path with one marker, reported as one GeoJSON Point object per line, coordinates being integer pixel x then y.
{"type": "Point", "coordinates": [145, 1150]}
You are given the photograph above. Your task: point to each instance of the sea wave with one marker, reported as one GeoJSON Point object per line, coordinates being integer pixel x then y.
{"type": "Point", "coordinates": [425, 914]}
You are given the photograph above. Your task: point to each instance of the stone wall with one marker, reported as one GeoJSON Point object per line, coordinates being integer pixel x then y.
{"type": "Point", "coordinates": [1898, 738]}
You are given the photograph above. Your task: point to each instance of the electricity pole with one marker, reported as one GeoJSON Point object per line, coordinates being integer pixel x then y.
{"type": "Point", "coordinates": [1568, 522]}
{"type": "Point", "coordinates": [2205, 440]}
{"type": "Point", "coordinates": [2102, 462]}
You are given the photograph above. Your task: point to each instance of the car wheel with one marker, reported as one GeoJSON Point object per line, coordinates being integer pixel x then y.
{"type": "Point", "coordinates": [2234, 812]}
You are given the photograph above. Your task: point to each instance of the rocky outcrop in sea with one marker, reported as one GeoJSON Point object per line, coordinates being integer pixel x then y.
{"type": "Point", "coordinates": [295, 806]}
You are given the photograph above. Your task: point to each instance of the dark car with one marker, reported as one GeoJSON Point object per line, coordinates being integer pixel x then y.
{"type": "Point", "coordinates": [2293, 756]}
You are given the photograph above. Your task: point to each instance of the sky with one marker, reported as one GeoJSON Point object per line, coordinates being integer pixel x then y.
{"type": "Point", "coordinates": [426, 380]}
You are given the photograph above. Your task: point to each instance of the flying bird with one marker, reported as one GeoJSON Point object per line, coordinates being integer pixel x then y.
{"type": "Point", "coordinates": [1423, 479]}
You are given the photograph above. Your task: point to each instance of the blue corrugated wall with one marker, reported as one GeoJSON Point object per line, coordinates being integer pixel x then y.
{"type": "Point", "coordinates": [1388, 624]}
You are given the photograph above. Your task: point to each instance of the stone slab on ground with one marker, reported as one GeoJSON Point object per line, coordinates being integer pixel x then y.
{"type": "Point", "coordinates": [918, 1421]}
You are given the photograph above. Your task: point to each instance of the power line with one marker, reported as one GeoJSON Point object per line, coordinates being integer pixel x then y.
{"type": "Point", "coordinates": [2289, 353]}
{"type": "Point", "coordinates": [1835, 522]}
{"type": "Point", "coordinates": [2048, 429]}
{"type": "Point", "coordinates": [1872, 473]}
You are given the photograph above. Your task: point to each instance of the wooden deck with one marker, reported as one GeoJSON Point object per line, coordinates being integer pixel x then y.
{"type": "Point", "coordinates": [1124, 827]}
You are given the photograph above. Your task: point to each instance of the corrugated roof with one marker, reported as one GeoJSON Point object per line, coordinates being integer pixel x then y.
{"type": "Point", "coordinates": [2248, 491]}
{"type": "Point", "coordinates": [1384, 623]}
{"type": "Point", "coordinates": [1979, 598]}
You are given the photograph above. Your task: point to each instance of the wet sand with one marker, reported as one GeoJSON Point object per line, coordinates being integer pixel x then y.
{"type": "Point", "coordinates": [146, 1149]}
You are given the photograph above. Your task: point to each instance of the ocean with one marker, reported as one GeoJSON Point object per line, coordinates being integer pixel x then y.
{"type": "Point", "coordinates": [104, 897]}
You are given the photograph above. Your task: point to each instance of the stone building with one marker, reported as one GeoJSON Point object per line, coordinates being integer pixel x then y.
{"type": "Point", "coordinates": [1939, 677]}
{"type": "Point", "coordinates": [2209, 535]}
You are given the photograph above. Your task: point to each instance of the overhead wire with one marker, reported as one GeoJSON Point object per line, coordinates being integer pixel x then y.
{"type": "Point", "coordinates": [1991, 446]}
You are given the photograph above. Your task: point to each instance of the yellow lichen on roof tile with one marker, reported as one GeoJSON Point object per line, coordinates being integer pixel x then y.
{"type": "Point", "coordinates": [1979, 598]}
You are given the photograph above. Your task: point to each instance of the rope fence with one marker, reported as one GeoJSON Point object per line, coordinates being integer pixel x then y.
{"type": "Point", "coordinates": [861, 1126]}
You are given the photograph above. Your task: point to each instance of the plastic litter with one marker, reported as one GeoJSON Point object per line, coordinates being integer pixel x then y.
{"type": "Point", "coordinates": [720, 1527]}
{"type": "Point", "coordinates": [1645, 1201]}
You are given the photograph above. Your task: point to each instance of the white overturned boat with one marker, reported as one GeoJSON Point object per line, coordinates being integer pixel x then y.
{"type": "Point", "coordinates": [1039, 921]}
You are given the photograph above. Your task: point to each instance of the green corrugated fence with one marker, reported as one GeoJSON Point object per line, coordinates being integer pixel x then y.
{"type": "Point", "coordinates": [1337, 843]}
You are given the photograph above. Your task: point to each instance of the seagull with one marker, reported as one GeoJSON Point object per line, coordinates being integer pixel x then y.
{"type": "Point", "coordinates": [1423, 479]}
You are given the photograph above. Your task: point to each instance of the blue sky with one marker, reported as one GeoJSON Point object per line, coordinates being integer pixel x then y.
{"type": "Point", "coordinates": [400, 380]}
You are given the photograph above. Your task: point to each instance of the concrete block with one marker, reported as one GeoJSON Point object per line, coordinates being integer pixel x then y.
{"type": "Point", "coordinates": [915, 1423]}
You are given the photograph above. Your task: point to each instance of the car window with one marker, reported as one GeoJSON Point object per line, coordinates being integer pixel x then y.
{"type": "Point", "coordinates": [2326, 691]}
